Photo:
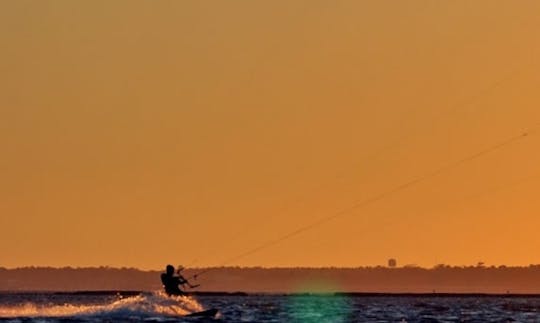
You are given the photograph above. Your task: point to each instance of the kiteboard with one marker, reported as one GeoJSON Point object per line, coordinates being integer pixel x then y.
{"type": "Point", "coordinates": [208, 313]}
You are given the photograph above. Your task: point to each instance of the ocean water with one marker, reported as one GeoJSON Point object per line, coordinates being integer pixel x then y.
{"type": "Point", "coordinates": [157, 307]}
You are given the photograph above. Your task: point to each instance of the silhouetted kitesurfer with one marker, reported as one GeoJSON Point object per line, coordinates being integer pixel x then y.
{"type": "Point", "coordinates": [172, 283]}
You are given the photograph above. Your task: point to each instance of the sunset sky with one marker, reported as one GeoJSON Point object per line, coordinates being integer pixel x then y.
{"type": "Point", "coordinates": [140, 133]}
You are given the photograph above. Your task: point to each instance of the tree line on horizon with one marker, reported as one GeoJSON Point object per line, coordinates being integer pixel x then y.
{"type": "Point", "coordinates": [441, 278]}
{"type": "Point", "coordinates": [408, 266]}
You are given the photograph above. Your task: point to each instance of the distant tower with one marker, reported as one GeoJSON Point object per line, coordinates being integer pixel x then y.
{"type": "Point", "coordinates": [392, 263]}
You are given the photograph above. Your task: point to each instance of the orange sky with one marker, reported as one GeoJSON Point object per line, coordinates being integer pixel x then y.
{"type": "Point", "coordinates": [137, 133]}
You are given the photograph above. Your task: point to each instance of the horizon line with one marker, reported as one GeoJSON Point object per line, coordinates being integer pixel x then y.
{"type": "Point", "coordinates": [407, 266]}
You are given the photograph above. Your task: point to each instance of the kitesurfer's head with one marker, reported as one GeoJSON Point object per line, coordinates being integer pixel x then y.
{"type": "Point", "coordinates": [170, 269]}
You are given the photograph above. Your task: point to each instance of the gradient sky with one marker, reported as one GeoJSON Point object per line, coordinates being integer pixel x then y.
{"type": "Point", "coordinates": [139, 133]}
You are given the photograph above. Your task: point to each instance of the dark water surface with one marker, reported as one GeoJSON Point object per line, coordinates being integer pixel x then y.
{"type": "Point", "coordinates": [156, 307]}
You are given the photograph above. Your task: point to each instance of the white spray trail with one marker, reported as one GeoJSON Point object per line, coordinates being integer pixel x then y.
{"type": "Point", "coordinates": [141, 305]}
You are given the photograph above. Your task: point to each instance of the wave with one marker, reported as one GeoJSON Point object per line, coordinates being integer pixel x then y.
{"type": "Point", "coordinates": [143, 305]}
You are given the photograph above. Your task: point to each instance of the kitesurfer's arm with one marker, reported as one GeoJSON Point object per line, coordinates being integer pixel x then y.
{"type": "Point", "coordinates": [182, 280]}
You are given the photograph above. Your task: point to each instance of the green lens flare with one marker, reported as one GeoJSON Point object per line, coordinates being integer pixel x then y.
{"type": "Point", "coordinates": [315, 301]}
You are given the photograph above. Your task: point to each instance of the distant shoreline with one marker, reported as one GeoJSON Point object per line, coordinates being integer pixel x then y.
{"type": "Point", "coordinates": [124, 293]}
{"type": "Point", "coordinates": [366, 281]}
